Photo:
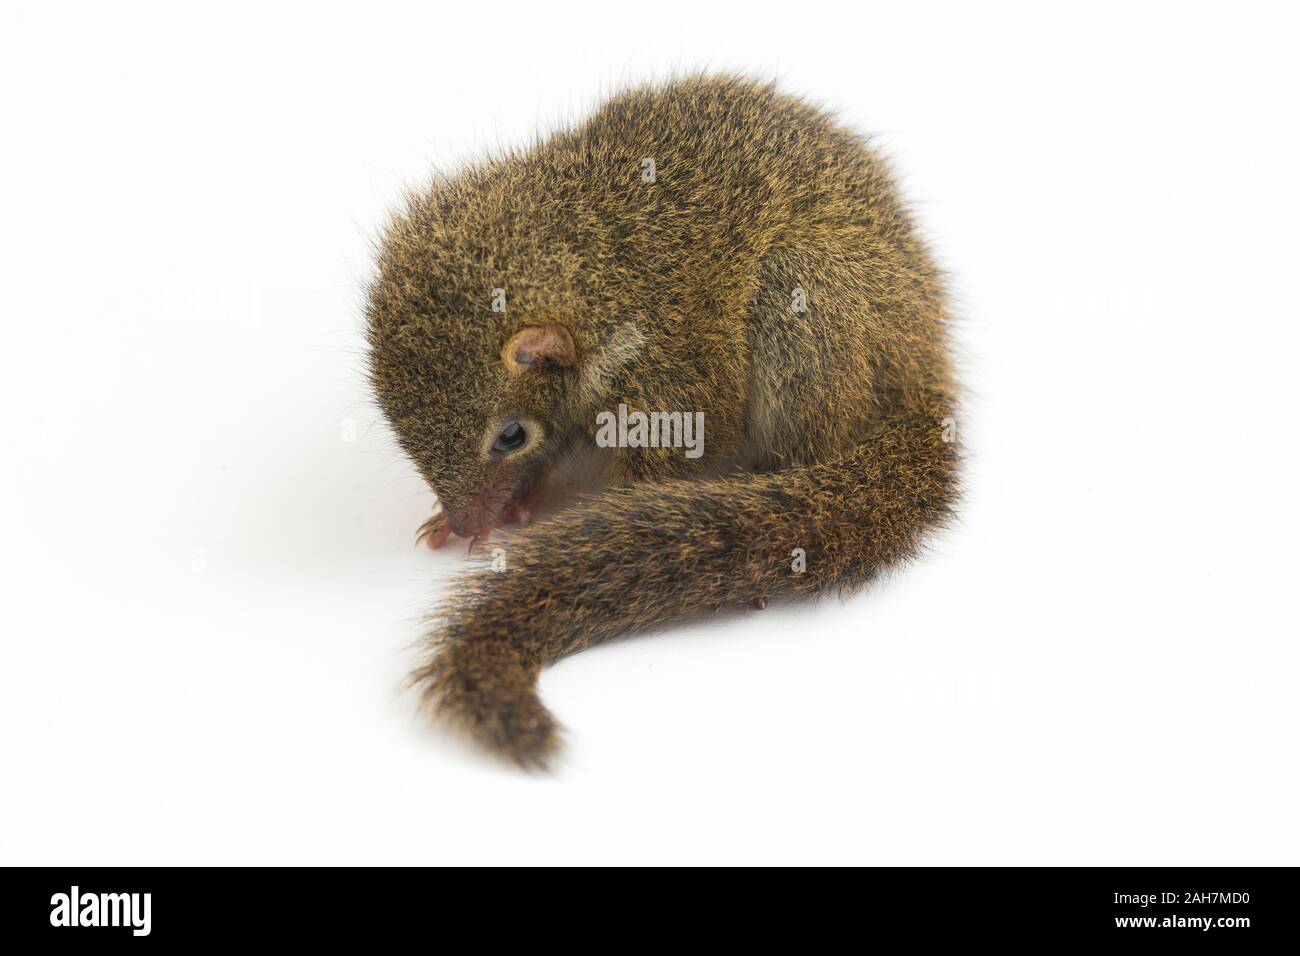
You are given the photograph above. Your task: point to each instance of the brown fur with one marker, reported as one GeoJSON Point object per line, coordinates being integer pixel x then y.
{"type": "Point", "coordinates": [824, 428]}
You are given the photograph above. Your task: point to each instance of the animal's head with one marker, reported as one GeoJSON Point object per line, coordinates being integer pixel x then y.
{"type": "Point", "coordinates": [483, 344]}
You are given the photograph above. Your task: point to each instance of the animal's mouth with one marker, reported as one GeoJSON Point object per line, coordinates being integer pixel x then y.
{"type": "Point", "coordinates": [508, 502]}
{"type": "Point", "coordinates": [483, 514]}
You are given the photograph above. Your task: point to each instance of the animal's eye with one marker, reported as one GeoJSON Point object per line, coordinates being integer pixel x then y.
{"type": "Point", "coordinates": [511, 438]}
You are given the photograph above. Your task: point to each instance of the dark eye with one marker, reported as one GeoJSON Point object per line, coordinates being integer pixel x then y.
{"type": "Point", "coordinates": [512, 437]}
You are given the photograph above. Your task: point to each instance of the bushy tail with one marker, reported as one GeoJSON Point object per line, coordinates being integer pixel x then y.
{"type": "Point", "coordinates": [639, 558]}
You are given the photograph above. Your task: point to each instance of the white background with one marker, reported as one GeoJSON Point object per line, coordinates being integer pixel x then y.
{"type": "Point", "coordinates": [209, 592]}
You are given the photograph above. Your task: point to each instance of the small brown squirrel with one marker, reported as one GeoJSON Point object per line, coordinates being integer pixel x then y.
{"type": "Point", "coordinates": [706, 251]}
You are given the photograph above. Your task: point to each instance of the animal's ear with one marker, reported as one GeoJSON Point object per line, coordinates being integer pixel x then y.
{"type": "Point", "coordinates": [537, 345]}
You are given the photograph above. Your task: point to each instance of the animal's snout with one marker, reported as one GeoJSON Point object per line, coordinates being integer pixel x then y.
{"type": "Point", "coordinates": [468, 522]}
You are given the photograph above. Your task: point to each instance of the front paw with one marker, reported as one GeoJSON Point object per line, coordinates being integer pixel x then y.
{"type": "Point", "coordinates": [435, 531]}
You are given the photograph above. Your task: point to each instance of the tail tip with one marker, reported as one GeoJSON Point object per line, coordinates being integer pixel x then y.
{"type": "Point", "coordinates": [493, 698]}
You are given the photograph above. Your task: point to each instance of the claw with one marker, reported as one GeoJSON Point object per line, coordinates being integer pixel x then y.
{"type": "Point", "coordinates": [759, 603]}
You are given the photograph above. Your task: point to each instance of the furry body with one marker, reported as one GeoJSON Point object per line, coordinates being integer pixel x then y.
{"type": "Point", "coordinates": [825, 426]}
